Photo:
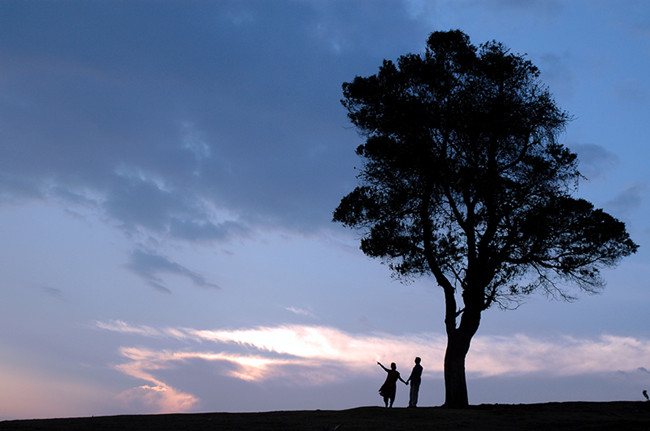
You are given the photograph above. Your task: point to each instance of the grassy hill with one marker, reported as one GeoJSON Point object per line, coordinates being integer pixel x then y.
{"type": "Point", "coordinates": [550, 416]}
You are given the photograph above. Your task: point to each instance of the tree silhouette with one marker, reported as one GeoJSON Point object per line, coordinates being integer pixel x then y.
{"type": "Point", "coordinates": [464, 180]}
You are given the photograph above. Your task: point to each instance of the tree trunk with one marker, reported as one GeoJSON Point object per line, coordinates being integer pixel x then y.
{"type": "Point", "coordinates": [458, 342]}
{"type": "Point", "coordinates": [455, 381]}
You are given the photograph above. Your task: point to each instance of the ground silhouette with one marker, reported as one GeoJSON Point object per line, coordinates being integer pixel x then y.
{"type": "Point", "coordinates": [550, 416]}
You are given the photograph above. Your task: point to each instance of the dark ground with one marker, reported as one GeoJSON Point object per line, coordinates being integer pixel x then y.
{"type": "Point", "coordinates": [550, 416]}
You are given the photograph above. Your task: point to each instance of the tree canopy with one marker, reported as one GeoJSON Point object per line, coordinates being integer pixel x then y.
{"type": "Point", "coordinates": [464, 179]}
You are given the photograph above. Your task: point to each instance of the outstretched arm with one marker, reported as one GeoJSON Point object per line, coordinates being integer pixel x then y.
{"type": "Point", "coordinates": [385, 369]}
{"type": "Point", "coordinates": [403, 380]}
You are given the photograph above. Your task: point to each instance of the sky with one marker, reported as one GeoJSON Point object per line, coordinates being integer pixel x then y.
{"type": "Point", "coordinates": [168, 172]}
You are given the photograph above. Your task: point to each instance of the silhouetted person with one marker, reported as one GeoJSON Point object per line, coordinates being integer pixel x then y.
{"type": "Point", "coordinates": [389, 387]}
{"type": "Point", "coordinates": [415, 378]}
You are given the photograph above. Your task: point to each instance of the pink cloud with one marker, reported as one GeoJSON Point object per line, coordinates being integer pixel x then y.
{"type": "Point", "coordinates": [317, 355]}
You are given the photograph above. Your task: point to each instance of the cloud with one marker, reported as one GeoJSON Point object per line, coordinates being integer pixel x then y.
{"type": "Point", "coordinates": [307, 356]}
{"type": "Point", "coordinates": [432, 11]}
{"type": "Point", "coordinates": [594, 160]}
{"type": "Point", "coordinates": [144, 199]}
{"type": "Point", "coordinates": [558, 74]}
{"type": "Point", "coordinates": [157, 399]}
{"type": "Point", "coordinates": [167, 133]}
{"type": "Point", "coordinates": [323, 343]}
{"type": "Point", "coordinates": [164, 135]}
{"type": "Point", "coordinates": [629, 199]}
{"type": "Point", "coordinates": [158, 396]}
{"type": "Point", "coordinates": [149, 266]}
{"type": "Point", "coordinates": [542, 387]}
{"type": "Point", "coordinates": [301, 312]}
{"type": "Point", "coordinates": [632, 91]}
{"type": "Point", "coordinates": [54, 292]}
{"type": "Point", "coordinates": [520, 354]}
{"type": "Point", "coordinates": [124, 328]}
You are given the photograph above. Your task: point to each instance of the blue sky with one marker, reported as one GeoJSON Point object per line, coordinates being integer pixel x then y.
{"type": "Point", "coordinates": [168, 172]}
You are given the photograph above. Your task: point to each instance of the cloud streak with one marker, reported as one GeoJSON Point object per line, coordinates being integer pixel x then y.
{"type": "Point", "coordinates": [301, 312]}
{"type": "Point", "coordinates": [319, 355]}
{"type": "Point", "coordinates": [149, 266]}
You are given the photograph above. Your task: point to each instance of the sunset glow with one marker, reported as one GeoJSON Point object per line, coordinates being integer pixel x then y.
{"type": "Point", "coordinates": [306, 350]}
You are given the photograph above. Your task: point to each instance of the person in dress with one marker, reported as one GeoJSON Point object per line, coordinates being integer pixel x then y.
{"type": "Point", "coordinates": [388, 389]}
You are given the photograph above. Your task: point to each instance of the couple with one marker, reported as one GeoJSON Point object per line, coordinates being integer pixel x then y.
{"type": "Point", "coordinates": [389, 387]}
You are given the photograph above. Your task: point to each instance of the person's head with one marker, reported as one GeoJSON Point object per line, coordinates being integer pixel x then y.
{"type": "Point", "coordinates": [417, 360]}
{"type": "Point", "coordinates": [393, 366]}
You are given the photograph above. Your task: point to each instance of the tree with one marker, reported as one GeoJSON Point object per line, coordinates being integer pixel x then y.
{"type": "Point", "coordinates": [464, 180]}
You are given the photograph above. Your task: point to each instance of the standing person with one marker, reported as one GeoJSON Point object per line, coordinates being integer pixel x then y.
{"type": "Point", "coordinates": [389, 387]}
{"type": "Point", "coordinates": [415, 378]}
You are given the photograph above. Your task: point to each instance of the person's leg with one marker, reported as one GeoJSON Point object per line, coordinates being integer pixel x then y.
{"type": "Point", "coordinates": [391, 402]}
{"type": "Point", "coordinates": [386, 402]}
{"type": "Point", "coordinates": [415, 388]}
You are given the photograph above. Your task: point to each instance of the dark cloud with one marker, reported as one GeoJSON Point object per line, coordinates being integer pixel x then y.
{"type": "Point", "coordinates": [631, 91]}
{"type": "Point", "coordinates": [557, 73]}
{"type": "Point", "coordinates": [54, 292]}
{"type": "Point", "coordinates": [150, 266]}
{"type": "Point", "coordinates": [594, 160]}
{"type": "Point", "coordinates": [628, 200]}
{"type": "Point", "coordinates": [143, 202]}
{"type": "Point", "coordinates": [542, 8]}
{"type": "Point", "coordinates": [166, 113]}
{"type": "Point", "coordinates": [201, 231]}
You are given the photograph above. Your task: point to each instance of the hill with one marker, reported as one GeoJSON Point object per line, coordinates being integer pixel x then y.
{"type": "Point", "coordinates": [550, 416]}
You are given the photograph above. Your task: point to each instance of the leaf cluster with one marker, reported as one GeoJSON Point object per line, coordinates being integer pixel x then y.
{"type": "Point", "coordinates": [463, 177]}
